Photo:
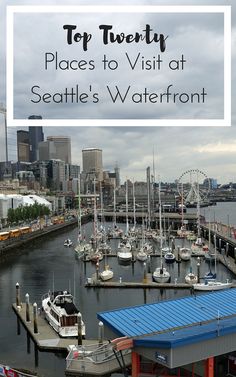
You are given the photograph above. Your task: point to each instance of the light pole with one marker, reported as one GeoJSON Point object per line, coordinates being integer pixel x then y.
{"type": "Point", "coordinates": [4, 112]}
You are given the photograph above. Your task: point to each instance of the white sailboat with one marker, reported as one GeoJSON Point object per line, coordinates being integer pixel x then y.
{"type": "Point", "coordinates": [191, 278]}
{"type": "Point", "coordinates": [124, 253]}
{"type": "Point", "coordinates": [185, 253]}
{"type": "Point", "coordinates": [82, 246]}
{"type": "Point", "coordinates": [107, 273]}
{"type": "Point", "coordinates": [161, 275]}
{"type": "Point", "coordinates": [212, 284]}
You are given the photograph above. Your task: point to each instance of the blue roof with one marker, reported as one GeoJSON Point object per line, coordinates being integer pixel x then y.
{"type": "Point", "coordinates": [176, 321]}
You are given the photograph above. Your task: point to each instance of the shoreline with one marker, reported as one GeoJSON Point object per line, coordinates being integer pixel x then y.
{"type": "Point", "coordinates": [8, 245]}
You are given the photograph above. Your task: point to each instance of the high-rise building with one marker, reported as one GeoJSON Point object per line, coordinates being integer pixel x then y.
{"type": "Point", "coordinates": [92, 168]}
{"type": "Point", "coordinates": [92, 162]}
{"type": "Point", "coordinates": [56, 175]}
{"type": "Point", "coordinates": [35, 137]}
{"type": "Point", "coordinates": [23, 146]}
{"type": "Point", "coordinates": [47, 150]}
{"type": "Point", "coordinates": [61, 148]}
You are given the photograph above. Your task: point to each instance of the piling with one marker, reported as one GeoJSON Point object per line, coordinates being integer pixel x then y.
{"type": "Point", "coordinates": [79, 319]}
{"type": "Point", "coordinates": [35, 315]}
{"type": "Point", "coordinates": [149, 264]}
{"type": "Point", "coordinates": [227, 249]}
{"type": "Point", "coordinates": [97, 269]}
{"type": "Point", "coordinates": [144, 273]}
{"type": "Point", "coordinates": [235, 255]}
{"type": "Point", "coordinates": [198, 272]}
{"type": "Point", "coordinates": [27, 312]}
{"type": "Point", "coordinates": [100, 333]}
{"type": "Point", "coordinates": [220, 244]}
{"type": "Point", "coordinates": [18, 295]}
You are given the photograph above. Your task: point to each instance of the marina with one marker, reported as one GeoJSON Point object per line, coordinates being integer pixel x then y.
{"type": "Point", "coordinates": [64, 270]}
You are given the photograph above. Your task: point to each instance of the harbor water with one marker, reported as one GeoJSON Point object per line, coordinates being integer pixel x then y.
{"type": "Point", "coordinates": [46, 264]}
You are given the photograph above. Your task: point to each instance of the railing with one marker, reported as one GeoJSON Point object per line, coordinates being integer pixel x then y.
{"type": "Point", "coordinates": [93, 354]}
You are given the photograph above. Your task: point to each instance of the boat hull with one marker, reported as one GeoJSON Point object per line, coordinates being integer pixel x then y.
{"type": "Point", "coordinates": [211, 286]}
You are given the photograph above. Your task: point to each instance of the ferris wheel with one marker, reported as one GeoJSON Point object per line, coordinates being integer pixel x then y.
{"type": "Point", "coordinates": [193, 185]}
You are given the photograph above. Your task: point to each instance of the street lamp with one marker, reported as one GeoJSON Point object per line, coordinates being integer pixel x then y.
{"type": "Point", "coordinates": [4, 112]}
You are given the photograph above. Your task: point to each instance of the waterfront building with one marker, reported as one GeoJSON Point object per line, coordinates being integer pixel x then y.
{"type": "Point", "coordinates": [23, 146]}
{"type": "Point", "coordinates": [35, 137]}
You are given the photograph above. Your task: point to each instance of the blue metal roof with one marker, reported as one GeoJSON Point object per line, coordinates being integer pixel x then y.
{"type": "Point", "coordinates": [189, 335]}
{"type": "Point", "coordinates": [185, 315]}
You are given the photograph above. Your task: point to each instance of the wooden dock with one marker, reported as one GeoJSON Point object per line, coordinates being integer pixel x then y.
{"type": "Point", "coordinates": [46, 339]}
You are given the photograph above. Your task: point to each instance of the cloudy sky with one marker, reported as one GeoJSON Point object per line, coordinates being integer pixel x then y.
{"type": "Point", "coordinates": [177, 149]}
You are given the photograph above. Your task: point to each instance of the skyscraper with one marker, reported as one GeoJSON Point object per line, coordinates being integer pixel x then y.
{"type": "Point", "coordinates": [60, 147]}
{"type": "Point", "coordinates": [92, 161]}
{"type": "Point", "coordinates": [92, 168]}
{"type": "Point", "coordinates": [23, 146]}
{"type": "Point", "coordinates": [35, 136]}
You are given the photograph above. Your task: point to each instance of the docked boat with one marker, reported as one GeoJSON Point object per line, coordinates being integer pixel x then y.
{"type": "Point", "coordinates": [124, 256]}
{"type": "Point", "coordinates": [161, 275]}
{"type": "Point", "coordinates": [68, 242]}
{"type": "Point", "coordinates": [107, 274]}
{"type": "Point", "coordinates": [185, 253]}
{"type": "Point", "coordinates": [191, 278]}
{"type": "Point", "coordinates": [61, 313]}
{"type": "Point", "coordinates": [97, 256]}
{"type": "Point", "coordinates": [169, 257]}
{"type": "Point", "coordinates": [212, 285]}
{"type": "Point", "coordinates": [141, 255]}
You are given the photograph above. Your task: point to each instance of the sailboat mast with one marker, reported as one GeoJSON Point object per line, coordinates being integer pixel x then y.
{"type": "Point", "coordinates": [198, 210]}
{"type": "Point", "coordinates": [114, 204]}
{"type": "Point", "coordinates": [79, 210]}
{"type": "Point", "coordinates": [134, 207]}
{"type": "Point", "coordinates": [95, 214]}
{"type": "Point", "coordinates": [126, 205]}
{"type": "Point", "coordinates": [160, 219]}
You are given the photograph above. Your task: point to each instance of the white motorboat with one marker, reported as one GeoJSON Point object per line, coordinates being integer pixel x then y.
{"type": "Point", "coordinates": [185, 253]}
{"type": "Point", "coordinates": [68, 242]}
{"type": "Point", "coordinates": [107, 274]}
{"type": "Point", "coordinates": [212, 285]}
{"type": "Point", "coordinates": [61, 313]}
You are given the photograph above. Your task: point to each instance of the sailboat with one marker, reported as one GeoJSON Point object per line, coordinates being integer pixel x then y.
{"type": "Point", "coordinates": [124, 253]}
{"type": "Point", "coordinates": [210, 284]}
{"type": "Point", "coordinates": [115, 231]}
{"type": "Point", "coordinates": [97, 255]}
{"type": "Point", "coordinates": [161, 275]}
{"type": "Point", "coordinates": [82, 246]}
{"type": "Point", "coordinates": [191, 278]}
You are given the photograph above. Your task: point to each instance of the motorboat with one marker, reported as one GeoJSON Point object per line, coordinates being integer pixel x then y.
{"type": "Point", "coordinates": [212, 285]}
{"type": "Point", "coordinates": [107, 274]}
{"type": "Point", "coordinates": [68, 242]}
{"type": "Point", "coordinates": [61, 313]}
